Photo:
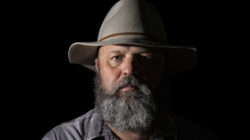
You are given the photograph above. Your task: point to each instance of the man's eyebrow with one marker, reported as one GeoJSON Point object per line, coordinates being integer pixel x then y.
{"type": "Point", "coordinates": [145, 51]}
{"type": "Point", "coordinates": [140, 52]}
{"type": "Point", "coordinates": [115, 51]}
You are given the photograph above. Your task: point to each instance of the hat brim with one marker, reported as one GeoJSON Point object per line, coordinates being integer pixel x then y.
{"type": "Point", "coordinates": [179, 58]}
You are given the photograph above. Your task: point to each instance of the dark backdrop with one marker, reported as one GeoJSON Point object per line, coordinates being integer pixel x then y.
{"type": "Point", "coordinates": [45, 90]}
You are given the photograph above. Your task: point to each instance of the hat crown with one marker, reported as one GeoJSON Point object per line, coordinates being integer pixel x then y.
{"type": "Point", "coordinates": [133, 17]}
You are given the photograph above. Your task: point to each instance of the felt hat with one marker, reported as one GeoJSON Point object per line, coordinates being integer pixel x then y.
{"type": "Point", "coordinates": [133, 22]}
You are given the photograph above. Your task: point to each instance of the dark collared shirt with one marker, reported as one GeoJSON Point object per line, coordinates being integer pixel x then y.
{"type": "Point", "coordinates": [91, 126]}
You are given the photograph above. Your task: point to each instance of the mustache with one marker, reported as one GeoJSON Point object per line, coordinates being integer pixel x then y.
{"type": "Point", "coordinates": [132, 81]}
{"type": "Point", "coordinates": [127, 81]}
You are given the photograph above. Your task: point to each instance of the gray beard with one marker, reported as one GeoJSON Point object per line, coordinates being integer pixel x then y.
{"type": "Point", "coordinates": [134, 111]}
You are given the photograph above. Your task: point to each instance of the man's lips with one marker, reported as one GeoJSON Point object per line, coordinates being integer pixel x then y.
{"type": "Point", "coordinates": [127, 88]}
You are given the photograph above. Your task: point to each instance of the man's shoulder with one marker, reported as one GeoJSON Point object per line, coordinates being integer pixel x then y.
{"type": "Point", "coordinates": [186, 130]}
{"type": "Point", "coordinates": [73, 129]}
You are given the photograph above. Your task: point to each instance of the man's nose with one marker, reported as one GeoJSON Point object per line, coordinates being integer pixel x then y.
{"type": "Point", "coordinates": [128, 67]}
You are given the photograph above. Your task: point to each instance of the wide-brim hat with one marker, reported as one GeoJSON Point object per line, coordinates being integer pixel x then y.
{"type": "Point", "coordinates": [133, 22]}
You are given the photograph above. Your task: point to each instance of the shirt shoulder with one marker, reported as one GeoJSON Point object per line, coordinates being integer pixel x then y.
{"type": "Point", "coordinates": [72, 130]}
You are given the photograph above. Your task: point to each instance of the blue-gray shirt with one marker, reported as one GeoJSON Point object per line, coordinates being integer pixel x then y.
{"type": "Point", "coordinates": [91, 126]}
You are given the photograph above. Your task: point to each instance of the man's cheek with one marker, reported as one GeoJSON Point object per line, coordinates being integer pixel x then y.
{"type": "Point", "coordinates": [108, 86]}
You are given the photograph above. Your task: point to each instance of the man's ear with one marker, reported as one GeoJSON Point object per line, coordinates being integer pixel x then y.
{"type": "Point", "coordinates": [96, 65]}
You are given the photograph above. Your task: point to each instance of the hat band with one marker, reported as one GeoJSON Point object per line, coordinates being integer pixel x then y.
{"type": "Point", "coordinates": [143, 35]}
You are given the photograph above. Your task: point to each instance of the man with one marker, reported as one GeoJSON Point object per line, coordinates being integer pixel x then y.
{"type": "Point", "coordinates": [132, 61]}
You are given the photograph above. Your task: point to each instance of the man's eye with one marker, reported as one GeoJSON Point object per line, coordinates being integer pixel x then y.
{"type": "Point", "coordinates": [116, 58]}
{"type": "Point", "coordinates": [146, 57]}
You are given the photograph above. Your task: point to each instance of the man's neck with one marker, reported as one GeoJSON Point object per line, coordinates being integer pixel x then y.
{"type": "Point", "coordinates": [129, 135]}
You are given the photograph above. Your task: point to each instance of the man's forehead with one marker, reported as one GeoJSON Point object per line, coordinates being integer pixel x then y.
{"type": "Point", "coordinates": [126, 48]}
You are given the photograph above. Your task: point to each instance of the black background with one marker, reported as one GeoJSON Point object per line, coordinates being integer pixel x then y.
{"type": "Point", "coordinates": [44, 90]}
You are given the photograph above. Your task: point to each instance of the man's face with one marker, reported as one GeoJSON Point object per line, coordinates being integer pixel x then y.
{"type": "Point", "coordinates": [117, 62]}
{"type": "Point", "coordinates": [126, 77]}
